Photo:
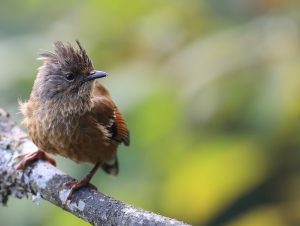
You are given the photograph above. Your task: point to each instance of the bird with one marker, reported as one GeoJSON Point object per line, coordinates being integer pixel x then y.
{"type": "Point", "coordinates": [69, 113]}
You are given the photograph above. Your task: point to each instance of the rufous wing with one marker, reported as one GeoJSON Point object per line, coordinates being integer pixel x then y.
{"type": "Point", "coordinates": [122, 132]}
{"type": "Point", "coordinates": [108, 115]}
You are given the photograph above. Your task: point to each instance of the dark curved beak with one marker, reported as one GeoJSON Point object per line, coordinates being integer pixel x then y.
{"type": "Point", "coordinates": [94, 75]}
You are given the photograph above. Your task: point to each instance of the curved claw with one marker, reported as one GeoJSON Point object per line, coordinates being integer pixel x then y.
{"type": "Point", "coordinates": [76, 185]}
{"type": "Point", "coordinates": [29, 157]}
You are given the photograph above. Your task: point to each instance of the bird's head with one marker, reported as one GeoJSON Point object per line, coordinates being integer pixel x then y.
{"type": "Point", "coordinates": [67, 73]}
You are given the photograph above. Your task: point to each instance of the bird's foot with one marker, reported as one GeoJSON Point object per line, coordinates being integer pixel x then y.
{"type": "Point", "coordinates": [76, 185]}
{"type": "Point", "coordinates": [33, 156]}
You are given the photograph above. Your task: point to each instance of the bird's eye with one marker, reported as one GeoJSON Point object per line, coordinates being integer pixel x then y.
{"type": "Point", "coordinates": [70, 77]}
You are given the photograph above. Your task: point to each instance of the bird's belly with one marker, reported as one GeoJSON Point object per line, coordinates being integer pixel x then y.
{"type": "Point", "coordinates": [70, 140]}
{"type": "Point", "coordinates": [75, 144]}
{"type": "Point", "coordinates": [86, 147]}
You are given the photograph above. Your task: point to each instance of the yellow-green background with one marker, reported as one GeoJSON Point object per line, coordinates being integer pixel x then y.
{"type": "Point", "coordinates": [210, 91]}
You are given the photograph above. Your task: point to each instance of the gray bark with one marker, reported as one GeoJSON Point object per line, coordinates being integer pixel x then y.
{"type": "Point", "coordinates": [44, 180]}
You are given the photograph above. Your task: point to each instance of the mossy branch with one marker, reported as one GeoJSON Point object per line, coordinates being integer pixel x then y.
{"type": "Point", "coordinates": [43, 179]}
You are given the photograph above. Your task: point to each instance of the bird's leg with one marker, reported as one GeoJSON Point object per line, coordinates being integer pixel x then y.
{"type": "Point", "coordinates": [75, 185]}
{"type": "Point", "coordinates": [33, 156]}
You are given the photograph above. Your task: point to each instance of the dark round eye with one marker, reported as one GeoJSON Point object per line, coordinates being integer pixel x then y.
{"type": "Point", "coordinates": [70, 77]}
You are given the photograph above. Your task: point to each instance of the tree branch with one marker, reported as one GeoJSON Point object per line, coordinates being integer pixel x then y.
{"type": "Point", "coordinates": [43, 180]}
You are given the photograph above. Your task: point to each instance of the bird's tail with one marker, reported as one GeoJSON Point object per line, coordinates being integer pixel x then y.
{"type": "Point", "coordinates": [111, 167]}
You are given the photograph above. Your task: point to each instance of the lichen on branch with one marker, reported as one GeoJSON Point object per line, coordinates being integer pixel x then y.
{"type": "Point", "coordinates": [44, 180]}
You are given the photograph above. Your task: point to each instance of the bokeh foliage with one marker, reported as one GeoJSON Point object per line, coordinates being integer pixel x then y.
{"type": "Point", "coordinates": [210, 91]}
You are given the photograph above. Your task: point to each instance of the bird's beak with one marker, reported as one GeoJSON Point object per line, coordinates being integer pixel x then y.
{"type": "Point", "coordinates": [94, 75]}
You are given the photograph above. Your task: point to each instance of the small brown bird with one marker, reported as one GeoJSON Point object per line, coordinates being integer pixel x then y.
{"type": "Point", "coordinates": [70, 114]}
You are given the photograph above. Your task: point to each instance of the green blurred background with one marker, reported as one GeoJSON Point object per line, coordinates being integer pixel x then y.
{"type": "Point", "coordinates": [210, 91]}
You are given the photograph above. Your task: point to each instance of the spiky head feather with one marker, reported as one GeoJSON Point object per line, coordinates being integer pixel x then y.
{"type": "Point", "coordinates": [67, 58]}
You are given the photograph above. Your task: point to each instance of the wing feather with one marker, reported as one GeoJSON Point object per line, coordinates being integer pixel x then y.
{"type": "Point", "coordinates": [108, 115]}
